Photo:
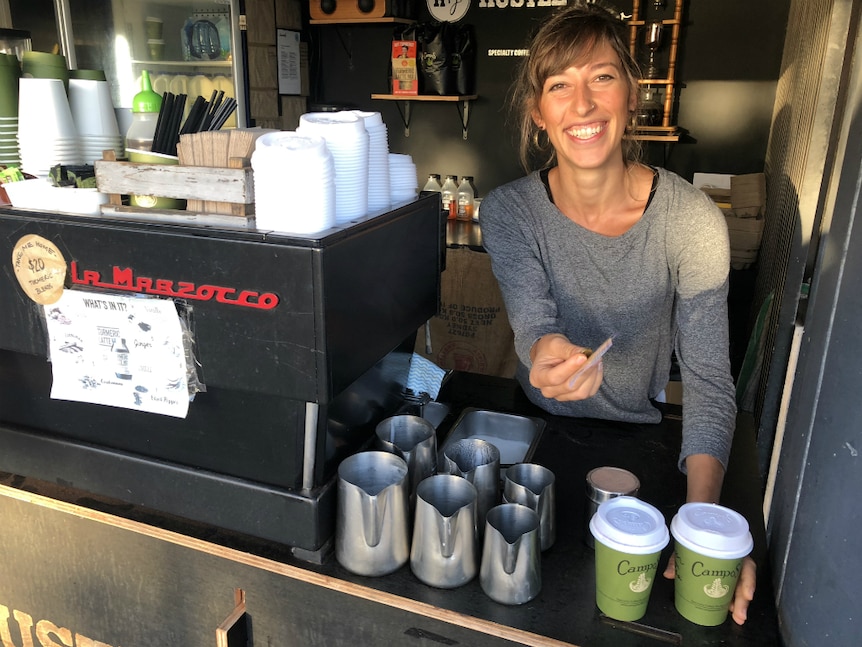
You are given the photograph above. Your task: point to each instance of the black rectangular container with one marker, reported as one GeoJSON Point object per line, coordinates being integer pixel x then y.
{"type": "Point", "coordinates": [292, 388]}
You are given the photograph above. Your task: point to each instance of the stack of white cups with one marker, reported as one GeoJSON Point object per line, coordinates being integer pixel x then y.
{"type": "Point", "coordinates": [347, 141]}
{"type": "Point", "coordinates": [95, 119]}
{"type": "Point", "coordinates": [46, 131]}
{"type": "Point", "coordinates": [294, 183]}
{"type": "Point", "coordinates": [378, 160]}
{"type": "Point", "coordinates": [403, 181]}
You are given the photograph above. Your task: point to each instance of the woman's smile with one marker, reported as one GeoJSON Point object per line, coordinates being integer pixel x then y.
{"type": "Point", "coordinates": [587, 131]}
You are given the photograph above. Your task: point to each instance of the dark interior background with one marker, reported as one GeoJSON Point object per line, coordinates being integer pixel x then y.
{"type": "Point", "coordinates": [728, 66]}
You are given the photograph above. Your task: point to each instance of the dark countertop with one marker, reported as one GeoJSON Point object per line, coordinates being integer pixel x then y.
{"type": "Point", "coordinates": [565, 609]}
{"type": "Point", "coordinates": [460, 233]}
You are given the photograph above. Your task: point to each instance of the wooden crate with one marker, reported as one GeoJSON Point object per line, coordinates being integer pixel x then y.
{"type": "Point", "coordinates": [221, 196]}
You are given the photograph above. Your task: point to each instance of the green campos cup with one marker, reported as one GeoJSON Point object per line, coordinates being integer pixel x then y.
{"type": "Point", "coordinates": [629, 535]}
{"type": "Point", "coordinates": [710, 543]}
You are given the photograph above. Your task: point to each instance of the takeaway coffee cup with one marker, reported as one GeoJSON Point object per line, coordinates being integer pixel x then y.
{"type": "Point", "coordinates": [629, 537]}
{"type": "Point", "coordinates": [710, 543]}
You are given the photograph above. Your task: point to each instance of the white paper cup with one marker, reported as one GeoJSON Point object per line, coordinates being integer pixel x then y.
{"type": "Point", "coordinates": [92, 108]}
{"type": "Point", "coordinates": [43, 110]}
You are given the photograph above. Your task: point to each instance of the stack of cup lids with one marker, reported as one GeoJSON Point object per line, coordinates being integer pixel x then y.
{"type": "Point", "coordinates": [403, 181]}
{"type": "Point", "coordinates": [301, 200]}
{"type": "Point", "coordinates": [347, 141]}
{"type": "Point", "coordinates": [378, 160]}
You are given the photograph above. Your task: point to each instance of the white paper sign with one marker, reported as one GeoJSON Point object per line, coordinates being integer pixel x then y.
{"type": "Point", "coordinates": [288, 62]}
{"type": "Point", "coordinates": [120, 351]}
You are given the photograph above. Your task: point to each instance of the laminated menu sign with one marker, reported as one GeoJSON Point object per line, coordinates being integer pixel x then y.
{"type": "Point", "coordinates": [405, 79]}
{"type": "Point", "coordinates": [120, 351]}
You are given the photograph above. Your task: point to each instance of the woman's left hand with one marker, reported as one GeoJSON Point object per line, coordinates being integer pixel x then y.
{"type": "Point", "coordinates": [742, 595]}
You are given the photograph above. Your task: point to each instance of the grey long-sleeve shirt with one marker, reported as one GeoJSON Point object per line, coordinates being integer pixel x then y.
{"type": "Point", "coordinates": [659, 287]}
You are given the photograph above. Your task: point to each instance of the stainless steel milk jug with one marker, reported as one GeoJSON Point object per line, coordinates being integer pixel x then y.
{"type": "Point", "coordinates": [511, 556]}
{"type": "Point", "coordinates": [371, 531]}
{"type": "Point", "coordinates": [533, 486]}
{"type": "Point", "coordinates": [415, 440]}
{"type": "Point", "coordinates": [445, 549]}
{"type": "Point", "coordinates": [478, 461]}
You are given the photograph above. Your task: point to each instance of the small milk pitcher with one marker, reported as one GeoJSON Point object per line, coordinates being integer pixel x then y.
{"type": "Point", "coordinates": [445, 551]}
{"type": "Point", "coordinates": [511, 556]}
{"type": "Point", "coordinates": [371, 530]}
{"type": "Point", "coordinates": [478, 461]}
{"type": "Point", "coordinates": [533, 486]}
{"type": "Point", "coordinates": [415, 440]}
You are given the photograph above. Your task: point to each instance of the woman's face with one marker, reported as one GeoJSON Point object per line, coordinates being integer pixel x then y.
{"type": "Point", "coordinates": [585, 109]}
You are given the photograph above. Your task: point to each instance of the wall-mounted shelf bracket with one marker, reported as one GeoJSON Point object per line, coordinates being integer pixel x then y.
{"type": "Point", "coordinates": [462, 104]}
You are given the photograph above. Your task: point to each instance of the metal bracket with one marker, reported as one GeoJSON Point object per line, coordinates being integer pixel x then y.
{"type": "Point", "coordinates": [464, 114]}
{"type": "Point", "coordinates": [405, 115]}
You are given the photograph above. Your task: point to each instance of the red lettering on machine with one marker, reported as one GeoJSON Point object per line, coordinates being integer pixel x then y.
{"type": "Point", "coordinates": [125, 279]}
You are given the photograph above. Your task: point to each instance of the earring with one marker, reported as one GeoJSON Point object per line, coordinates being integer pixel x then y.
{"type": "Point", "coordinates": [536, 142]}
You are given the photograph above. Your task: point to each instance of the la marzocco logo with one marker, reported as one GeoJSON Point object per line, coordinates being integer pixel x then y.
{"type": "Point", "coordinates": [126, 280]}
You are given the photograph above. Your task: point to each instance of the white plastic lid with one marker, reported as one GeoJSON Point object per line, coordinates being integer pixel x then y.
{"type": "Point", "coordinates": [630, 525]}
{"type": "Point", "coordinates": [712, 530]}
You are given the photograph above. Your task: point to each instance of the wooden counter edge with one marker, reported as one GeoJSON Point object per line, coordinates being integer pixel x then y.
{"type": "Point", "coordinates": [286, 570]}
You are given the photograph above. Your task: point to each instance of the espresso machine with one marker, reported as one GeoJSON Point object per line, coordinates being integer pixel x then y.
{"type": "Point", "coordinates": [290, 390]}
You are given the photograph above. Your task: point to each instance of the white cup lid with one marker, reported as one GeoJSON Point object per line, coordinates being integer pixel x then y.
{"type": "Point", "coordinates": [712, 530]}
{"type": "Point", "coordinates": [630, 525]}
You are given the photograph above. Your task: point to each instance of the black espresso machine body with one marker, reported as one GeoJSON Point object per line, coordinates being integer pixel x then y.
{"type": "Point", "coordinates": [291, 388]}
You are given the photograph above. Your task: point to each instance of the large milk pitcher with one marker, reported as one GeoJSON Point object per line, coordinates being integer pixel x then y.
{"type": "Point", "coordinates": [371, 531]}
{"type": "Point", "coordinates": [533, 486]}
{"type": "Point", "coordinates": [445, 545]}
{"type": "Point", "coordinates": [415, 440]}
{"type": "Point", "coordinates": [511, 556]}
{"type": "Point", "coordinates": [478, 461]}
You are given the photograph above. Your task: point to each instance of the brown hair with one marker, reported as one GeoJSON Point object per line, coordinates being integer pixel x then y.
{"type": "Point", "coordinates": [568, 37]}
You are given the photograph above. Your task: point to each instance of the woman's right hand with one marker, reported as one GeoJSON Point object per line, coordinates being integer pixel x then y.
{"type": "Point", "coordinates": [555, 361]}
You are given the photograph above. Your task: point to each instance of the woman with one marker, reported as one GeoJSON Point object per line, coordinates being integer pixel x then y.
{"type": "Point", "coordinates": [596, 245]}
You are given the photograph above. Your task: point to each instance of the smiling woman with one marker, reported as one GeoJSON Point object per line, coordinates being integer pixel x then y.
{"type": "Point", "coordinates": [594, 244]}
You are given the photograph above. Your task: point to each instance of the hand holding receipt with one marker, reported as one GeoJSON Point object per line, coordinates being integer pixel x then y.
{"type": "Point", "coordinates": [566, 371]}
{"type": "Point", "coordinates": [593, 358]}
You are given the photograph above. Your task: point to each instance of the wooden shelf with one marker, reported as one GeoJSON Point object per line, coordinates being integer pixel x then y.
{"type": "Point", "coordinates": [360, 21]}
{"type": "Point", "coordinates": [656, 82]}
{"type": "Point", "coordinates": [461, 100]}
{"type": "Point", "coordinates": [648, 137]}
{"type": "Point", "coordinates": [182, 64]}
{"type": "Point", "coordinates": [425, 97]}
